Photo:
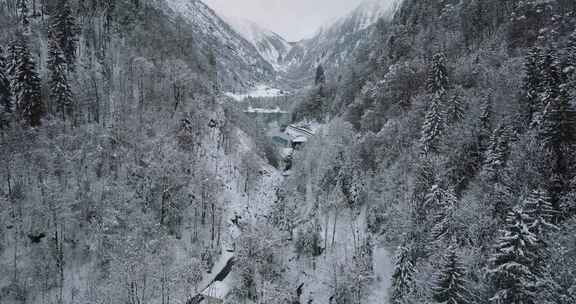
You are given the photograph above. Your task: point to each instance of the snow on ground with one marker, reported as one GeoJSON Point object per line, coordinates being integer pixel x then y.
{"type": "Point", "coordinates": [383, 268]}
{"type": "Point", "coordinates": [265, 111]}
{"type": "Point", "coordinates": [218, 266]}
{"type": "Point", "coordinates": [261, 90]}
{"type": "Point", "coordinates": [249, 206]}
{"type": "Point", "coordinates": [318, 274]}
{"type": "Point", "coordinates": [319, 280]}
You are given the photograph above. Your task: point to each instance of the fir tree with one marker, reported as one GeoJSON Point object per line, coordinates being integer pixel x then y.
{"type": "Point", "coordinates": [557, 128]}
{"type": "Point", "coordinates": [403, 276]}
{"type": "Point", "coordinates": [61, 94]}
{"type": "Point", "coordinates": [451, 286]}
{"type": "Point", "coordinates": [497, 153]}
{"type": "Point", "coordinates": [538, 205]}
{"type": "Point", "coordinates": [438, 75]}
{"type": "Point", "coordinates": [25, 84]}
{"type": "Point", "coordinates": [433, 127]}
{"type": "Point", "coordinates": [485, 124]}
{"type": "Point", "coordinates": [455, 111]}
{"type": "Point", "coordinates": [6, 105]}
{"type": "Point", "coordinates": [425, 180]}
{"type": "Point", "coordinates": [64, 31]}
{"type": "Point", "coordinates": [444, 202]}
{"type": "Point", "coordinates": [513, 271]}
{"type": "Point", "coordinates": [533, 85]}
{"type": "Point", "coordinates": [434, 122]}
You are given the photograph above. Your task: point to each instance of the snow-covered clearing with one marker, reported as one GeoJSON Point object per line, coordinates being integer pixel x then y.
{"type": "Point", "coordinates": [319, 275]}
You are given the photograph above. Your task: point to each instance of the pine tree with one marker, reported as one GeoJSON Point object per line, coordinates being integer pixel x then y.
{"type": "Point", "coordinates": [6, 105]}
{"type": "Point", "coordinates": [433, 127]}
{"type": "Point", "coordinates": [425, 180]}
{"type": "Point", "coordinates": [25, 84]}
{"type": "Point", "coordinates": [438, 76]}
{"type": "Point", "coordinates": [538, 205]}
{"type": "Point", "coordinates": [513, 271]}
{"type": "Point", "coordinates": [434, 123]}
{"type": "Point", "coordinates": [445, 203]}
{"type": "Point", "coordinates": [61, 94]}
{"type": "Point", "coordinates": [451, 286]}
{"type": "Point", "coordinates": [557, 128]}
{"type": "Point", "coordinates": [485, 128]}
{"type": "Point", "coordinates": [533, 85]}
{"type": "Point", "coordinates": [497, 153]}
{"type": "Point", "coordinates": [403, 276]}
{"type": "Point", "coordinates": [64, 30]}
{"type": "Point", "coordinates": [455, 111]}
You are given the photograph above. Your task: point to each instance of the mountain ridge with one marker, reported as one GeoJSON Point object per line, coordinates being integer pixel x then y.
{"type": "Point", "coordinates": [271, 45]}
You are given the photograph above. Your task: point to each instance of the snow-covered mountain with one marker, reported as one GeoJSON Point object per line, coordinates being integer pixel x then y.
{"type": "Point", "coordinates": [335, 43]}
{"type": "Point", "coordinates": [271, 46]}
{"type": "Point", "coordinates": [239, 63]}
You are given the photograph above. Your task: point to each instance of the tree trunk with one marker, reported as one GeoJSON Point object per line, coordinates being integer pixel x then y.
{"type": "Point", "coordinates": [334, 226]}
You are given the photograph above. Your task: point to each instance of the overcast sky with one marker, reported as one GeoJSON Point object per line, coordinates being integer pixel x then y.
{"type": "Point", "coordinates": [292, 19]}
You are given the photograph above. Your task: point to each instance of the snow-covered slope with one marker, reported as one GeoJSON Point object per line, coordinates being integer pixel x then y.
{"type": "Point", "coordinates": [365, 15]}
{"type": "Point", "coordinates": [271, 46]}
{"type": "Point", "coordinates": [335, 43]}
{"type": "Point", "coordinates": [239, 62]}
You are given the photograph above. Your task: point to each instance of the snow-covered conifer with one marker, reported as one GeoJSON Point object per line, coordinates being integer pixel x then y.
{"type": "Point", "coordinates": [497, 153]}
{"type": "Point", "coordinates": [450, 288]}
{"type": "Point", "coordinates": [533, 86]}
{"type": "Point", "coordinates": [513, 272]}
{"type": "Point", "coordinates": [403, 276]}
{"type": "Point", "coordinates": [455, 109]}
{"type": "Point", "coordinates": [438, 81]}
{"type": "Point", "coordinates": [26, 84]}
{"type": "Point", "coordinates": [539, 207]}
{"type": "Point", "coordinates": [64, 31]}
{"type": "Point", "coordinates": [61, 94]}
{"type": "Point", "coordinates": [444, 228]}
{"type": "Point", "coordinates": [433, 126]}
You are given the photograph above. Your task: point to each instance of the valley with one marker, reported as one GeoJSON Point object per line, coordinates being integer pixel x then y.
{"type": "Point", "coordinates": [162, 152]}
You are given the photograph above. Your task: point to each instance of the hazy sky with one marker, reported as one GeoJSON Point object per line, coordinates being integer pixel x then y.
{"type": "Point", "coordinates": [293, 19]}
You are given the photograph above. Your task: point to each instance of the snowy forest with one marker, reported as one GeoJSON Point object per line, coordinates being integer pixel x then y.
{"type": "Point", "coordinates": [410, 152]}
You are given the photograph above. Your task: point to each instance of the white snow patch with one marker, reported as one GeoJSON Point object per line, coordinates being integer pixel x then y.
{"type": "Point", "coordinates": [265, 111]}
{"type": "Point", "coordinates": [260, 90]}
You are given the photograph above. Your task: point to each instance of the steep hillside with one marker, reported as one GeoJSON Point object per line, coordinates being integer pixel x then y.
{"type": "Point", "coordinates": [336, 44]}
{"type": "Point", "coordinates": [240, 63]}
{"type": "Point", "coordinates": [270, 45]}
